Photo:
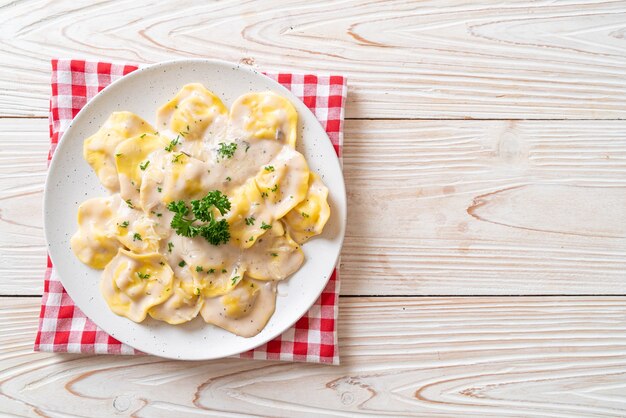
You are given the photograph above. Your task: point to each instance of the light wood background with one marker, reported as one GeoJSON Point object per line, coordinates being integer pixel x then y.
{"type": "Point", "coordinates": [484, 268]}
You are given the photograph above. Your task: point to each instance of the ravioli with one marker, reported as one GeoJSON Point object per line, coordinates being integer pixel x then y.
{"type": "Point", "coordinates": [283, 182]}
{"type": "Point", "coordinates": [246, 217]}
{"type": "Point", "coordinates": [276, 255]}
{"type": "Point", "coordinates": [194, 113]}
{"type": "Point", "coordinates": [265, 115]}
{"type": "Point", "coordinates": [99, 149]}
{"type": "Point", "coordinates": [309, 217]}
{"type": "Point", "coordinates": [183, 306]}
{"type": "Point", "coordinates": [133, 283]}
{"type": "Point", "coordinates": [94, 243]}
{"type": "Point", "coordinates": [204, 217]}
{"type": "Point", "coordinates": [244, 311]}
{"type": "Point", "coordinates": [132, 158]}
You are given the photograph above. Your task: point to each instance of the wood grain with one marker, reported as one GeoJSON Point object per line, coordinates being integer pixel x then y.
{"type": "Point", "coordinates": [23, 163]}
{"type": "Point", "coordinates": [531, 357]}
{"type": "Point", "coordinates": [476, 207]}
{"type": "Point", "coordinates": [429, 59]}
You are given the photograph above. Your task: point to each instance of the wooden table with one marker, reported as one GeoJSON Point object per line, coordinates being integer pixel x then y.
{"type": "Point", "coordinates": [484, 268]}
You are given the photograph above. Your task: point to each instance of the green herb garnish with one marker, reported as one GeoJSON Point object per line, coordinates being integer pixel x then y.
{"type": "Point", "coordinates": [250, 220]}
{"type": "Point", "coordinates": [136, 237]}
{"type": "Point", "coordinates": [214, 231]}
{"type": "Point", "coordinates": [172, 144]}
{"type": "Point", "coordinates": [265, 226]}
{"type": "Point", "coordinates": [227, 150]}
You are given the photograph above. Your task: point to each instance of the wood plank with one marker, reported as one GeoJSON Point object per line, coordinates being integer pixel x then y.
{"type": "Point", "coordinates": [485, 207]}
{"type": "Point", "coordinates": [543, 356]}
{"type": "Point", "coordinates": [23, 167]}
{"type": "Point", "coordinates": [429, 59]}
{"type": "Point", "coordinates": [474, 207]}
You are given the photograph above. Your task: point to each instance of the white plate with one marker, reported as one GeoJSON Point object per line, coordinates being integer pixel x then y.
{"type": "Point", "coordinates": [71, 181]}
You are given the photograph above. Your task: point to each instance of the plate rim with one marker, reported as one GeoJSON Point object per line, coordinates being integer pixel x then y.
{"type": "Point", "coordinates": [53, 162]}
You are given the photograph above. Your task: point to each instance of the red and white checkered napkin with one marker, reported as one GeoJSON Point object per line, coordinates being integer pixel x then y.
{"type": "Point", "coordinates": [62, 325]}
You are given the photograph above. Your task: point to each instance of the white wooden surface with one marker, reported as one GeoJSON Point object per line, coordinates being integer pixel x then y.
{"type": "Point", "coordinates": [448, 216]}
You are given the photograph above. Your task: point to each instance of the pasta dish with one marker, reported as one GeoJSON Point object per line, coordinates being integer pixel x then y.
{"type": "Point", "coordinates": [206, 211]}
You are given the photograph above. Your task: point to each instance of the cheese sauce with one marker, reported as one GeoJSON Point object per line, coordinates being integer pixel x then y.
{"type": "Point", "coordinates": [248, 155]}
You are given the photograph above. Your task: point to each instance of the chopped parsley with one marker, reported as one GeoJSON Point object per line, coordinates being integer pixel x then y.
{"type": "Point", "coordinates": [142, 136]}
{"type": "Point", "coordinates": [228, 178]}
{"type": "Point", "coordinates": [136, 237]}
{"type": "Point", "coordinates": [227, 150]}
{"type": "Point", "coordinates": [123, 224]}
{"type": "Point", "coordinates": [250, 220]}
{"type": "Point", "coordinates": [159, 189]}
{"type": "Point", "coordinates": [265, 226]}
{"type": "Point", "coordinates": [199, 269]}
{"type": "Point", "coordinates": [251, 239]}
{"type": "Point", "coordinates": [143, 276]}
{"type": "Point", "coordinates": [274, 255]}
{"type": "Point", "coordinates": [172, 144]}
{"type": "Point", "coordinates": [119, 155]}
{"type": "Point", "coordinates": [269, 168]}
{"type": "Point", "coordinates": [182, 263]}
{"type": "Point", "coordinates": [234, 279]}
{"type": "Point", "coordinates": [304, 214]}
{"type": "Point", "coordinates": [273, 189]}
{"type": "Point", "coordinates": [176, 158]}
{"type": "Point", "coordinates": [197, 291]}
{"type": "Point", "coordinates": [130, 204]}
{"type": "Point", "coordinates": [214, 231]}
{"type": "Point", "coordinates": [210, 271]}
{"type": "Point", "coordinates": [263, 194]}
{"type": "Point", "coordinates": [223, 270]}
{"type": "Point", "coordinates": [169, 247]}
{"type": "Point", "coordinates": [144, 165]}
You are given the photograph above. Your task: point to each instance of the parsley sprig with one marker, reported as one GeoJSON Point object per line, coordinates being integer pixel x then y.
{"type": "Point", "coordinates": [214, 231]}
